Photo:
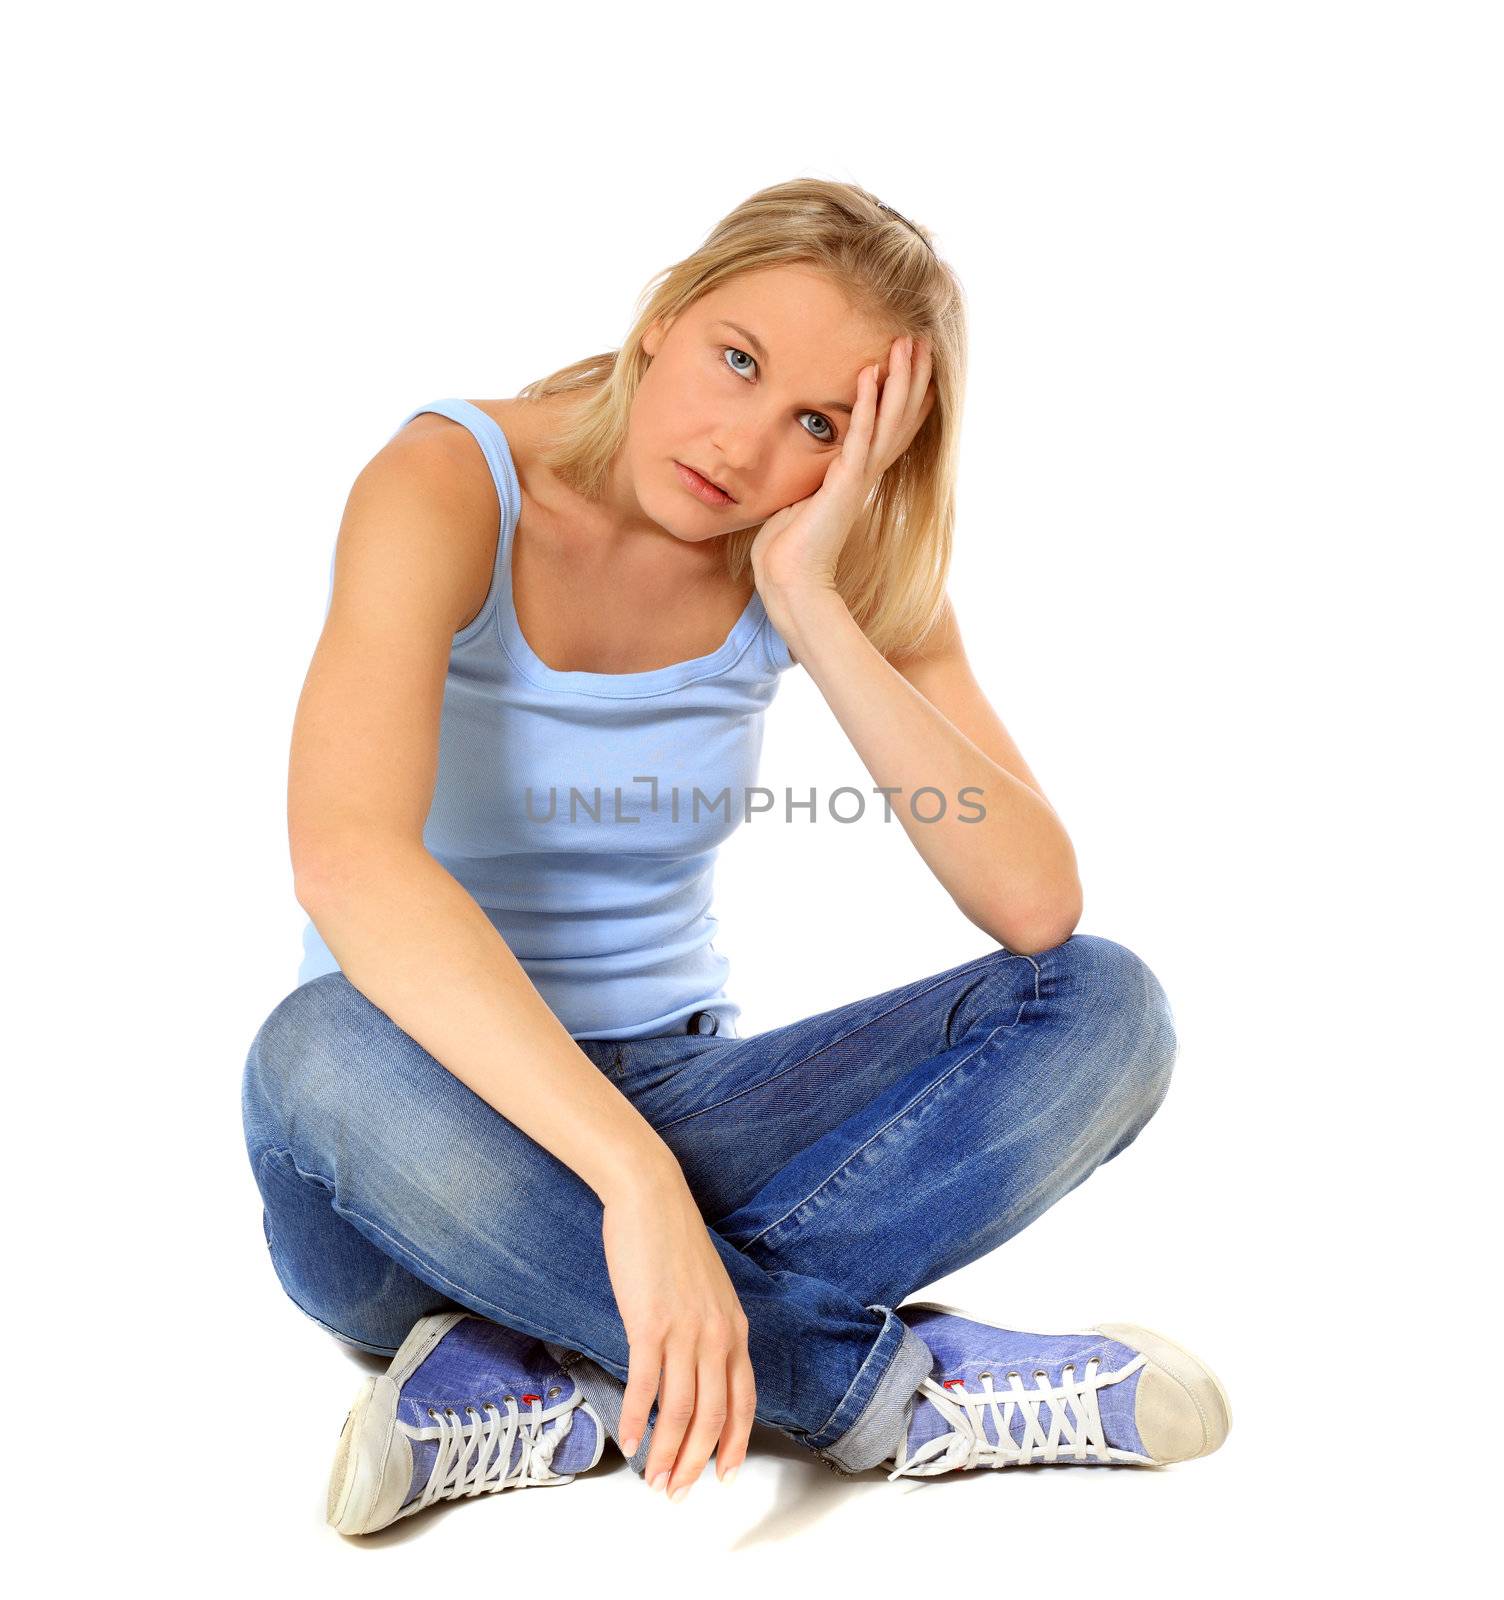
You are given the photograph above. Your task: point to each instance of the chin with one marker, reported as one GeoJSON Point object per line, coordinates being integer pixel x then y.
{"type": "Point", "coordinates": [673, 524]}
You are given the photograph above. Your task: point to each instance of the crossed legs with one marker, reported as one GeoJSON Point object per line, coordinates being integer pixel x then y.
{"type": "Point", "coordinates": [842, 1162]}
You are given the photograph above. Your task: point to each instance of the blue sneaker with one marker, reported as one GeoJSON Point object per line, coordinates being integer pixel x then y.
{"type": "Point", "coordinates": [1000, 1398]}
{"type": "Point", "coordinates": [466, 1407]}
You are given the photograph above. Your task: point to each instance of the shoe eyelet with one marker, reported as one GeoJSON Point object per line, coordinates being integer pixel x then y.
{"type": "Point", "coordinates": [450, 1411]}
{"type": "Point", "coordinates": [432, 1412]}
{"type": "Point", "coordinates": [1039, 1372]}
{"type": "Point", "coordinates": [1017, 1375]}
{"type": "Point", "coordinates": [552, 1393]}
{"type": "Point", "coordinates": [510, 1397]}
{"type": "Point", "coordinates": [982, 1375]}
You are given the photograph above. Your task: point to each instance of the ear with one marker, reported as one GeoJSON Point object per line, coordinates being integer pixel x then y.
{"type": "Point", "coordinates": [652, 339]}
{"type": "Point", "coordinates": [657, 331]}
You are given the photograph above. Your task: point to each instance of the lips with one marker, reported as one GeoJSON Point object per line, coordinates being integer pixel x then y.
{"type": "Point", "coordinates": [703, 488]}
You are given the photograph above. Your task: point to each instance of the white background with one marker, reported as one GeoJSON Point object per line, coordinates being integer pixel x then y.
{"type": "Point", "coordinates": [1229, 511]}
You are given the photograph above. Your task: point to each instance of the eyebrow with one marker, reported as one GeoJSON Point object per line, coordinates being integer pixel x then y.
{"type": "Point", "coordinates": [762, 356]}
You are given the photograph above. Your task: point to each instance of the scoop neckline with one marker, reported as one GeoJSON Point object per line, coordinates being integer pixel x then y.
{"type": "Point", "coordinates": [655, 679]}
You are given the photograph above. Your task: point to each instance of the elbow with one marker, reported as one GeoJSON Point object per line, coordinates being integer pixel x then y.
{"type": "Point", "coordinates": [337, 867]}
{"type": "Point", "coordinates": [1036, 943]}
{"type": "Point", "coordinates": [310, 884]}
{"type": "Point", "coordinates": [317, 871]}
{"type": "Point", "coordinates": [1027, 933]}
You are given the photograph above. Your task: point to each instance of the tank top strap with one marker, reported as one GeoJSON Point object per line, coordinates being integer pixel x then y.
{"type": "Point", "coordinates": [493, 444]}
{"type": "Point", "coordinates": [487, 433]}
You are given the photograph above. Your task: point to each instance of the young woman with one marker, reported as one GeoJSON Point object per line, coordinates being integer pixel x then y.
{"type": "Point", "coordinates": [505, 1129]}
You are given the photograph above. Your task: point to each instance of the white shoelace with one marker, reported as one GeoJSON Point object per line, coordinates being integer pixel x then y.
{"type": "Point", "coordinates": [491, 1440]}
{"type": "Point", "coordinates": [1077, 1436]}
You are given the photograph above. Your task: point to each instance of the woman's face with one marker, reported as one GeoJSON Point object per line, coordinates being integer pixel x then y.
{"type": "Point", "coordinates": [762, 423]}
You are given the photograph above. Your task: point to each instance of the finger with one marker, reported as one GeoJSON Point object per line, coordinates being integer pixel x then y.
{"type": "Point", "coordinates": [917, 395]}
{"type": "Point", "coordinates": [898, 426]}
{"type": "Point", "coordinates": [645, 1357]}
{"type": "Point", "coordinates": [709, 1417]}
{"type": "Point", "coordinates": [895, 412]}
{"type": "Point", "coordinates": [859, 435]}
{"type": "Point", "coordinates": [921, 395]}
{"type": "Point", "coordinates": [847, 477]}
{"type": "Point", "coordinates": [741, 1412]}
{"type": "Point", "coordinates": [676, 1405]}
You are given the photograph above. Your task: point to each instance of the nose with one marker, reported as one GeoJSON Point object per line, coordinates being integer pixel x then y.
{"type": "Point", "coordinates": [736, 448]}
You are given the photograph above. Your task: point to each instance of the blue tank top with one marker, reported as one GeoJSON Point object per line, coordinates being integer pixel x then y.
{"type": "Point", "coordinates": [584, 811]}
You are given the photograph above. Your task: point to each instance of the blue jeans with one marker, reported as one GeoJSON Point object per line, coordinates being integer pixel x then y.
{"type": "Point", "coordinates": [841, 1163]}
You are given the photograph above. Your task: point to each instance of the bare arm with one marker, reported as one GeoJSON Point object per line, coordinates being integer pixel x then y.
{"type": "Point", "coordinates": [1009, 864]}
{"type": "Point", "coordinates": [416, 551]}
{"type": "Point", "coordinates": [410, 937]}
{"type": "Point", "coordinates": [413, 565]}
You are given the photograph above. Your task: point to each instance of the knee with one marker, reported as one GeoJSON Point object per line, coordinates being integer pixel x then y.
{"type": "Point", "coordinates": [1131, 1027]}
{"type": "Point", "coordinates": [333, 1079]}
{"type": "Point", "coordinates": [300, 1060]}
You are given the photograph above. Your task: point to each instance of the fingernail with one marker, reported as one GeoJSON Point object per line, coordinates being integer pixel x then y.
{"type": "Point", "coordinates": [730, 1475]}
{"type": "Point", "coordinates": [679, 1493]}
{"type": "Point", "coordinates": [629, 1446]}
{"type": "Point", "coordinates": [659, 1482]}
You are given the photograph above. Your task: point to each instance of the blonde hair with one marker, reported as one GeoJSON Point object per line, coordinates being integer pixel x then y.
{"type": "Point", "coordinates": [892, 570]}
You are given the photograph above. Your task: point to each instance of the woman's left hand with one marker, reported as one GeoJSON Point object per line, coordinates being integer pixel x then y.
{"type": "Point", "coordinates": [796, 548]}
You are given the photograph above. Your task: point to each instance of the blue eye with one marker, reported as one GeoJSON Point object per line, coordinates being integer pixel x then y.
{"type": "Point", "coordinates": [819, 438]}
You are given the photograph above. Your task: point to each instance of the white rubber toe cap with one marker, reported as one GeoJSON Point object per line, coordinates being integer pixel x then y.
{"type": "Point", "coordinates": [1182, 1411]}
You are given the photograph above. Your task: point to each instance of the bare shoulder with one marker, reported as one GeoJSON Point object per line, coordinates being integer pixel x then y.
{"type": "Point", "coordinates": [440, 453]}
{"type": "Point", "coordinates": [423, 516]}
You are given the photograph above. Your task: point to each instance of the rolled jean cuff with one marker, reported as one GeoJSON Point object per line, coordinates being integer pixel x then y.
{"type": "Point", "coordinates": [866, 1427]}
{"type": "Point", "coordinates": [605, 1391]}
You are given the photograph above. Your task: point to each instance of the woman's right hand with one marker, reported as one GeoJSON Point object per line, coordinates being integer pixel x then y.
{"type": "Point", "coordinates": [683, 1318]}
